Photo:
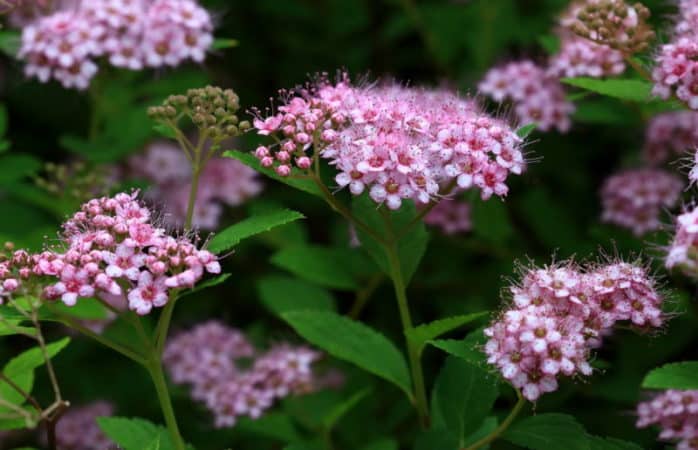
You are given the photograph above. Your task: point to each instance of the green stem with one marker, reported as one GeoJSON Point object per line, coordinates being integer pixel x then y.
{"type": "Point", "coordinates": [154, 368]}
{"type": "Point", "coordinates": [164, 326]}
{"type": "Point", "coordinates": [420, 394]}
{"type": "Point", "coordinates": [503, 426]}
{"type": "Point", "coordinates": [363, 295]}
{"type": "Point", "coordinates": [196, 173]}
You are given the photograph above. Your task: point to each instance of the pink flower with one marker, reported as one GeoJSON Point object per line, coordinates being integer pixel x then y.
{"type": "Point", "coordinates": [150, 292]}
{"type": "Point", "coordinates": [676, 414]}
{"type": "Point", "coordinates": [124, 262]}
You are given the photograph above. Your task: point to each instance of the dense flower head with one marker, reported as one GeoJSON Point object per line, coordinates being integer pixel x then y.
{"type": "Point", "coordinates": [635, 198]}
{"type": "Point", "coordinates": [559, 313]}
{"type": "Point", "coordinates": [222, 181]}
{"type": "Point", "coordinates": [682, 253]}
{"type": "Point", "coordinates": [670, 134]}
{"type": "Point", "coordinates": [676, 71]}
{"type": "Point", "coordinates": [208, 357]}
{"type": "Point", "coordinates": [675, 413]}
{"type": "Point", "coordinates": [78, 429]}
{"type": "Point", "coordinates": [687, 18]}
{"type": "Point", "coordinates": [537, 96]}
{"type": "Point", "coordinates": [131, 34]}
{"type": "Point", "coordinates": [393, 141]}
{"type": "Point", "coordinates": [579, 57]}
{"type": "Point", "coordinates": [450, 216]}
{"type": "Point", "coordinates": [112, 247]}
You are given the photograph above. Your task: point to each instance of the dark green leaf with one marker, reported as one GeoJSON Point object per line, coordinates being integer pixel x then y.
{"type": "Point", "coordinates": [599, 443]}
{"type": "Point", "coordinates": [548, 432]}
{"type": "Point", "coordinates": [14, 167]}
{"type": "Point", "coordinates": [325, 266]}
{"type": "Point", "coordinates": [426, 332]}
{"type": "Point", "coordinates": [354, 342]}
{"type": "Point", "coordinates": [331, 419]}
{"type": "Point", "coordinates": [282, 294]}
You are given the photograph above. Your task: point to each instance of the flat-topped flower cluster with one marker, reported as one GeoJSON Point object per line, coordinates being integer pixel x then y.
{"type": "Point", "coordinates": [560, 313]}
{"type": "Point", "coordinates": [132, 34]}
{"type": "Point", "coordinates": [396, 142]}
{"type": "Point", "coordinates": [111, 247]}
{"type": "Point", "coordinates": [676, 413]}
{"type": "Point", "coordinates": [208, 356]}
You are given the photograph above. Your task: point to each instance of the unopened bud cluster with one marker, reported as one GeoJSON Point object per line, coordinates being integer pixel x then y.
{"type": "Point", "coordinates": [616, 24]}
{"type": "Point", "coordinates": [76, 180]}
{"type": "Point", "coordinates": [211, 109]}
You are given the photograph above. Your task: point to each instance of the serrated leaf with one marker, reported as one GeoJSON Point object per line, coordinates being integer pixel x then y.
{"type": "Point", "coordinates": [426, 332]}
{"type": "Point", "coordinates": [354, 342]}
{"type": "Point", "coordinates": [250, 160]}
{"type": "Point", "coordinates": [331, 419]}
{"type": "Point", "coordinates": [463, 397]}
{"type": "Point", "coordinates": [682, 375]}
{"type": "Point", "coordinates": [134, 433]}
{"type": "Point", "coordinates": [325, 266]}
{"type": "Point", "coordinates": [223, 43]}
{"type": "Point", "coordinates": [231, 236]}
{"type": "Point", "coordinates": [282, 294]}
{"type": "Point", "coordinates": [632, 90]}
{"type": "Point", "coordinates": [411, 246]}
{"type": "Point", "coordinates": [468, 349]}
{"type": "Point", "coordinates": [548, 432]}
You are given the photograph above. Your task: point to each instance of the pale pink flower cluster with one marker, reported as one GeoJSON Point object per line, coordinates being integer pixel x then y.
{"type": "Point", "coordinates": [687, 18]}
{"type": "Point", "coordinates": [683, 250]}
{"type": "Point", "coordinates": [222, 181]}
{"type": "Point", "coordinates": [132, 34]}
{"type": "Point", "coordinates": [395, 142]}
{"type": "Point", "coordinates": [208, 356]}
{"type": "Point", "coordinates": [559, 314]}
{"type": "Point", "coordinates": [450, 216]}
{"type": "Point", "coordinates": [114, 249]}
{"type": "Point", "coordinates": [580, 57]}
{"type": "Point", "coordinates": [670, 134]}
{"type": "Point", "coordinates": [676, 71]}
{"type": "Point", "coordinates": [537, 96]}
{"type": "Point", "coordinates": [634, 199]}
{"type": "Point", "coordinates": [676, 414]}
{"type": "Point", "coordinates": [78, 430]}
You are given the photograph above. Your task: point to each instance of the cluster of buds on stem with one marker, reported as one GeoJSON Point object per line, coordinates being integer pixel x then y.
{"type": "Point", "coordinates": [211, 109]}
{"type": "Point", "coordinates": [76, 180]}
{"type": "Point", "coordinates": [616, 24]}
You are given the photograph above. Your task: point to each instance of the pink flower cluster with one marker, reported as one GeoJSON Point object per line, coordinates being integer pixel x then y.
{"type": "Point", "coordinates": [559, 314]}
{"type": "Point", "coordinates": [393, 141]}
{"type": "Point", "coordinates": [537, 96]}
{"type": "Point", "coordinates": [676, 71]}
{"type": "Point", "coordinates": [579, 57]}
{"type": "Point", "coordinates": [222, 181]}
{"type": "Point", "coordinates": [207, 357]}
{"type": "Point", "coordinates": [676, 413]}
{"type": "Point", "coordinates": [450, 216]}
{"type": "Point", "coordinates": [670, 134]}
{"type": "Point", "coordinates": [682, 252]}
{"type": "Point", "coordinates": [78, 429]}
{"type": "Point", "coordinates": [132, 34]}
{"type": "Point", "coordinates": [634, 199]}
{"type": "Point", "coordinates": [114, 249]}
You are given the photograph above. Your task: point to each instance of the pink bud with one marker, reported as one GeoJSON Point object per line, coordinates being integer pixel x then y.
{"type": "Point", "coordinates": [283, 170]}
{"type": "Point", "coordinates": [303, 162]}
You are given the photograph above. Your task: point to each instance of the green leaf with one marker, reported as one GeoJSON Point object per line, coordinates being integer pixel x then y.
{"type": "Point", "coordinates": [10, 41]}
{"type": "Point", "coordinates": [20, 370]}
{"type": "Point", "coordinates": [550, 43]}
{"type": "Point", "coordinates": [250, 160]}
{"type": "Point", "coordinates": [274, 425]}
{"type": "Point", "coordinates": [410, 247]}
{"type": "Point", "coordinates": [468, 349]}
{"type": "Point", "coordinates": [436, 439]}
{"type": "Point", "coordinates": [3, 120]}
{"type": "Point", "coordinates": [426, 332]}
{"type": "Point", "coordinates": [525, 130]}
{"type": "Point", "coordinates": [207, 284]}
{"type": "Point", "coordinates": [14, 167]}
{"type": "Point", "coordinates": [325, 266]}
{"type": "Point", "coordinates": [155, 445]}
{"type": "Point", "coordinates": [600, 443]}
{"type": "Point", "coordinates": [463, 397]}
{"type": "Point", "coordinates": [382, 444]}
{"type": "Point", "coordinates": [282, 294]}
{"type": "Point", "coordinates": [491, 221]}
{"type": "Point", "coordinates": [331, 419]}
{"type": "Point", "coordinates": [84, 309]}
{"type": "Point", "coordinates": [354, 342]}
{"type": "Point", "coordinates": [548, 432]}
{"type": "Point", "coordinates": [231, 236]}
{"type": "Point", "coordinates": [485, 429]}
{"type": "Point", "coordinates": [632, 90]}
{"type": "Point", "coordinates": [682, 375]}
{"type": "Point", "coordinates": [165, 130]}
{"type": "Point", "coordinates": [134, 433]}
{"type": "Point", "coordinates": [223, 43]}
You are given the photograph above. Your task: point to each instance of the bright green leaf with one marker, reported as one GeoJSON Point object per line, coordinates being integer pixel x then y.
{"type": "Point", "coordinates": [468, 349]}
{"type": "Point", "coordinates": [134, 433]}
{"type": "Point", "coordinates": [632, 90]}
{"type": "Point", "coordinates": [223, 43]}
{"type": "Point", "coordinates": [550, 431]}
{"type": "Point", "coordinates": [231, 236]}
{"type": "Point", "coordinates": [525, 130]}
{"type": "Point", "coordinates": [426, 332]}
{"type": "Point", "coordinates": [682, 375]}
{"type": "Point", "coordinates": [352, 341]}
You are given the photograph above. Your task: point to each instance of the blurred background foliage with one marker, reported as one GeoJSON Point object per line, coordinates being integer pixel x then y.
{"type": "Point", "coordinates": [553, 209]}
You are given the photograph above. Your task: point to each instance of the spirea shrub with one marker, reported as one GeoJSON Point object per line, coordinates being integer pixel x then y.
{"type": "Point", "coordinates": [481, 233]}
